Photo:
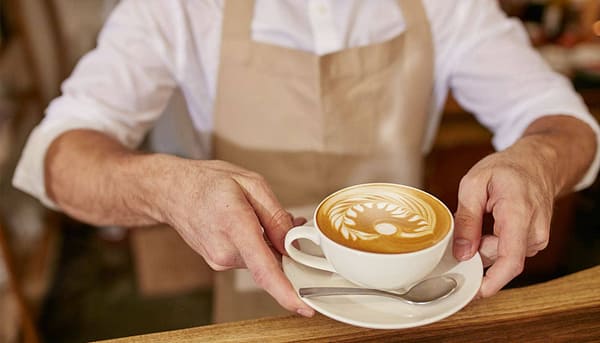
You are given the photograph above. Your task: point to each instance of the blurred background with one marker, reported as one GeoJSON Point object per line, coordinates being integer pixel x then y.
{"type": "Point", "coordinates": [63, 281]}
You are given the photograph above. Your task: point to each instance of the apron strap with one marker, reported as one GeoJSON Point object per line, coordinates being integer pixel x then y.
{"type": "Point", "coordinates": [413, 12]}
{"type": "Point", "coordinates": [237, 20]}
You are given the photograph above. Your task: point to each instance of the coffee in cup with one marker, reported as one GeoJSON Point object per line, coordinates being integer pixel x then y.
{"type": "Point", "coordinates": [378, 235]}
{"type": "Point", "coordinates": [383, 218]}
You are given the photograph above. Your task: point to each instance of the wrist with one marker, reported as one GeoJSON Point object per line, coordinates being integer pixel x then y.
{"type": "Point", "coordinates": [564, 146]}
{"type": "Point", "coordinates": [153, 179]}
{"type": "Point", "coordinates": [545, 161]}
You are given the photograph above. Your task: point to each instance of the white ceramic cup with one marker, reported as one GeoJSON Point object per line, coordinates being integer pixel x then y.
{"type": "Point", "coordinates": [369, 269]}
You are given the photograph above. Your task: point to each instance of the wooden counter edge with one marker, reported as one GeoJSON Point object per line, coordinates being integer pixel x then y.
{"type": "Point", "coordinates": [564, 309]}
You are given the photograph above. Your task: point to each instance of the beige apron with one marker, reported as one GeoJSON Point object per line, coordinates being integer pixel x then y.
{"type": "Point", "coordinates": [314, 124]}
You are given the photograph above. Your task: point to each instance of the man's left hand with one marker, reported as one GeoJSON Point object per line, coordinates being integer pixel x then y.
{"type": "Point", "coordinates": [518, 187]}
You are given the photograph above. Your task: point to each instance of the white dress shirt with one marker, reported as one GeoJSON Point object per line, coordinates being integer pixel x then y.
{"type": "Point", "coordinates": [147, 48]}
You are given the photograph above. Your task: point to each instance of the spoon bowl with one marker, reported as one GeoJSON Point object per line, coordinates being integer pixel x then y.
{"type": "Point", "coordinates": [423, 292]}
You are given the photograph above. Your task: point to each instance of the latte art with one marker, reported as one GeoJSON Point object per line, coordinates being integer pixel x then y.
{"type": "Point", "coordinates": [383, 218]}
{"type": "Point", "coordinates": [370, 216]}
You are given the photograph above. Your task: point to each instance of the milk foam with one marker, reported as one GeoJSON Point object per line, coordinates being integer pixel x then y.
{"type": "Point", "coordinates": [369, 217]}
{"type": "Point", "coordinates": [384, 218]}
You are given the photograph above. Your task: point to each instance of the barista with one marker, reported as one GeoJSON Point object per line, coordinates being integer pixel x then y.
{"type": "Point", "coordinates": [292, 100]}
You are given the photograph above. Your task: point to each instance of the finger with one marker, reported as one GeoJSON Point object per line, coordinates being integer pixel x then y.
{"type": "Point", "coordinates": [219, 268]}
{"type": "Point", "coordinates": [510, 225]}
{"type": "Point", "coordinates": [298, 221]}
{"type": "Point", "coordinates": [215, 249]}
{"type": "Point", "coordinates": [539, 233]}
{"type": "Point", "coordinates": [488, 249]}
{"type": "Point", "coordinates": [275, 220]}
{"type": "Point", "coordinates": [274, 251]}
{"type": "Point", "coordinates": [472, 198]}
{"type": "Point", "coordinates": [532, 252]}
{"type": "Point", "coordinates": [220, 254]}
{"type": "Point", "coordinates": [277, 255]}
{"type": "Point", "coordinates": [265, 268]}
{"type": "Point", "coordinates": [500, 274]}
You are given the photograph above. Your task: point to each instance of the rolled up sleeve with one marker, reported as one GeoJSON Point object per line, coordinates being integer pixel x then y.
{"type": "Point", "coordinates": [120, 89]}
{"type": "Point", "coordinates": [499, 77]}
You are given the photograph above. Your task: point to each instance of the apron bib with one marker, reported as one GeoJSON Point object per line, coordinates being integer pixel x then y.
{"type": "Point", "coordinates": [314, 124]}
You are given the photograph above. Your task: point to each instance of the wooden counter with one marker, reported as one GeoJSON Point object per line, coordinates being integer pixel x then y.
{"type": "Point", "coordinates": [561, 310]}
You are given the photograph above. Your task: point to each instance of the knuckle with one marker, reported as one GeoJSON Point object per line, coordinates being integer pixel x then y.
{"type": "Point", "coordinates": [521, 212]}
{"type": "Point", "coordinates": [541, 238]}
{"type": "Point", "coordinates": [521, 203]}
{"type": "Point", "coordinates": [517, 268]}
{"type": "Point", "coordinates": [261, 277]}
{"type": "Point", "coordinates": [257, 177]}
{"type": "Point", "coordinates": [281, 219]}
{"type": "Point", "coordinates": [540, 243]}
{"type": "Point", "coordinates": [464, 219]}
{"type": "Point", "coordinates": [540, 246]}
{"type": "Point", "coordinates": [468, 182]}
{"type": "Point", "coordinates": [216, 267]}
{"type": "Point", "coordinates": [513, 171]}
{"type": "Point", "coordinates": [528, 206]}
{"type": "Point", "coordinates": [544, 244]}
{"type": "Point", "coordinates": [257, 183]}
{"type": "Point", "coordinates": [223, 259]}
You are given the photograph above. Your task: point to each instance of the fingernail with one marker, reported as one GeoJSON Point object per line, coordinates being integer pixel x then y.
{"type": "Point", "coordinates": [462, 249]}
{"type": "Point", "coordinates": [305, 312]}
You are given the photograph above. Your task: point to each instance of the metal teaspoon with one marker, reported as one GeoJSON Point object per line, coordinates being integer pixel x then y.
{"type": "Point", "coordinates": [426, 291]}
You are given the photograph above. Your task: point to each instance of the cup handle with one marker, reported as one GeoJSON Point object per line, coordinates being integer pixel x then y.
{"type": "Point", "coordinates": [310, 233]}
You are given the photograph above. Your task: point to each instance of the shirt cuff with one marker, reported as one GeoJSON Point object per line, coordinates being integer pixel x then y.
{"type": "Point", "coordinates": [29, 174]}
{"type": "Point", "coordinates": [592, 172]}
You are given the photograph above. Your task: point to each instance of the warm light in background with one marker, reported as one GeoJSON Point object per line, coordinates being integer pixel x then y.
{"type": "Point", "coordinates": [596, 28]}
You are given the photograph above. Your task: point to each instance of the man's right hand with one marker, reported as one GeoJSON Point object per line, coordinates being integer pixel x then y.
{"type": "Point", "coordinates": [219, 209]}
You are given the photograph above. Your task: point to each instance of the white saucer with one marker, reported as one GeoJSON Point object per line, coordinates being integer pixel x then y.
{"type": "Point", "coordinates": [383, 313]}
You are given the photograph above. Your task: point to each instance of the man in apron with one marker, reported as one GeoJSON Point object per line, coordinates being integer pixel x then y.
{"type": "Point", "coordinates": [291, 127]}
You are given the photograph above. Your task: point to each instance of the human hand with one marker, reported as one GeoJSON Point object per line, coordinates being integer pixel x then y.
{"type": "Point", "coordinates": [517, 187]}
{"type": "Point", "coordinates": [220, 209]}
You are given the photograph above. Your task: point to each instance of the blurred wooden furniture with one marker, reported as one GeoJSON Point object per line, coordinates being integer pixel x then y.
{"type": "Point", "coordinates": [30, 333]}
{"type": "Point", "coordinates": [32, 69]}
{"type": "Point", "coordinates": [37, 27]}
{"type": "Point", "coordinates": [164, 263]}
{"type": "Point", "coordinates": [562, 310]}
{"type": "Point", "coordinates": [589, 16]}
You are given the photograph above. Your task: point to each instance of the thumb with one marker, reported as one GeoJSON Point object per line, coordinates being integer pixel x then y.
{"type": "Point", "coordinates": [472, 197]}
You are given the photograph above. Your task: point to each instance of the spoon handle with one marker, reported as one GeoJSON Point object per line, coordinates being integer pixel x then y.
{"type": "Point", "coordinates": [309, 292]}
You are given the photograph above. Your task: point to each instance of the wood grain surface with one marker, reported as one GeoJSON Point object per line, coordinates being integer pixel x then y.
{"type": "Point", "coordinates": [562, 310]}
